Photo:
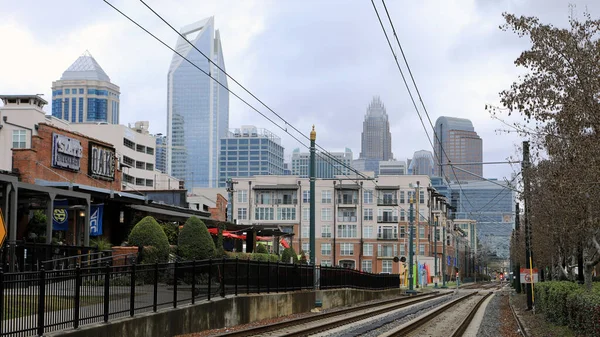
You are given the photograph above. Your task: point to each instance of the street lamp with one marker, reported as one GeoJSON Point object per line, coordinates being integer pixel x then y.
{"type": "Point", "coordinates": [410, 249]}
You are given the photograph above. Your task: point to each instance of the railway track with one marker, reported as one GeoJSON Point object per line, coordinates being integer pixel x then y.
{"type": "Point", "coordinates": [413, 327]}
{"type": "Point", "coordinates": [305, 326]}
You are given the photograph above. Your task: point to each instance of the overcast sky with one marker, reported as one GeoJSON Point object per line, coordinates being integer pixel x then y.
{"type": "Point", "coordinates": [313, 61]}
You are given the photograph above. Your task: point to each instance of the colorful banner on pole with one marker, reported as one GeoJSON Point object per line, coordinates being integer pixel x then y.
{"type": "Point", "coordinates": [96, 215]}
{"type": "Point", "coordinates": [60, 216]}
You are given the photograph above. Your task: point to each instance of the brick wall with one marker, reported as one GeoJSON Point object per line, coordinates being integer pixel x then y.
{"type": "Point", "coordinates": [220, 211]}
{"type": "Point", "coordinates": [36, 162]}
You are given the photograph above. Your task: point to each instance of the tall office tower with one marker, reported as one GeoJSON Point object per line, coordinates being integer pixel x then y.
{"type": "Point", "coordinates": [376, 137]}
{"type": "Point", "coordinates": [422, 163]}
{"type": "Point", "coordinates": [326, 167]}
{"type": "Point", "coordinates": [461, 144]}
{"type": "Point", "coordinates": [84, 94]}
{"type": "Point", "coordinates": [249, 151]}
{"type": "Point", "coordinates": [161, 153]}
{"type": "Point", "coordinates": [197, 107]}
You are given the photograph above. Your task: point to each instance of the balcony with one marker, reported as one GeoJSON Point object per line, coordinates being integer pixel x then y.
{"type": "Point", "coordinates": [286, 201]}
{"type": "Point", "coordinates": [387, 236]}
{"type": "Point", "coordinates": [347, 201]}
{"type": "Point", "coordinates": [346, 218]}
{"type": "Point", "coordinates": [387, 219]}
{"type": "Point", "coordinates": [387, 202]}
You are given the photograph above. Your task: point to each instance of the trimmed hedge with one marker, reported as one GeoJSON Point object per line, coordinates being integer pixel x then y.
{"type": "Point", "coordinates": [567, 303]}
{"type": "Point", "coordinates": [254, 256]}
{"type": "Point", "coordinates": [289, 253]}
{"type": "Point", "coordinates": [195, 241]}
{"type": "Point", "coordinates": [261, 249]}
{"type": "Point", "coordinates": [149, 234]}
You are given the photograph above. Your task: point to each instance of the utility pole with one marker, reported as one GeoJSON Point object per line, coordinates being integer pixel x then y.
{"type": "Point", "coordinates": [230, 191]}
{"type": "Point", "coordinates": [418, 229]}
{"type": "Point", "coordinates": [444, 262]}
{"type": "Point", "coordinates": [435, 261]}
{"type": "Point", "coordinates": [516, 262]}
{"type": "Point", "coordinates": [313, 138]}
{"type": "Point", "coordinates": [525, 165]}
{"type": "Point", "coordinates": [410, 250]}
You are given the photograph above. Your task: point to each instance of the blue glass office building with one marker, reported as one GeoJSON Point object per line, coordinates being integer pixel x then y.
{"type": "Point", "coordinates": [249, 151]}
{"type": "Point", "coordinates": [161, 153]}
{"type": "Point", "coordinates": [492, 206]}
{"type": "Point", "coordinates": [84, 94]}
{"type": "Point", "coordinates": [325, 166]}
{"type": "Point", "coordinates": [197, 107]}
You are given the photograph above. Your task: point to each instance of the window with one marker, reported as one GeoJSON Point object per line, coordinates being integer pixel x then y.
{"type": "Point", "coordinates": [126, 141]}
{"type": "Point", "coordinates": [346, 249]}
{"type": "Point", "coordinates": [140, 148]}
{"type": "Point", "coordinates": [286, 213]}
{"type": "Point", "coordinates": [306, 246]}
{"type": "Point", "coordinates": [242, 213]}
{"type": "Point", "coordinates": [326, 263]}
{"type": "Point", "coordinates": [386, 266]}
{"type": "Point", "coordinates": [149, 166]}
{"type": "Point", "coordinates": [402, 232]}
{"type": "Point", "coordinates": [150, 150]}
{"type": "Point", "coordinates": [326, 197]}
{"type": "Point", "coordinates": [128, 161]}
{"type": "Point", "coordinates": [421, 233]}
{"type": "Point", "coordinates": [368, 197]}
{"type": "Point", "coordinates": [326, 214]}
{"type": "Point", "coordinates": [368, 249]}
{"type": "Point", "coordinates": [140, 165]}
{"type": "Point", "coordinates": [19, 139]}
{"type": "Point", "coordinates": [368, 232]}
{"type": "Point", "coordinates": [346, 215]}
{"type": "Point", "coordinates": [149, 182]}
{"type": "Point", "coordinates": [81, 91]}
{"type": "Point", "coordinates": [128, 179]}
{"type": "Point", "coordinates": [421, 197]}
{"type": "Point", "coordinates": [421, 249]}
{"type": "Point", "coordinates": [139, 181]}
{"type": "Point", "coordinates": [368, 214]}
{"type": "Point", "coordinates": [242, 196]}
{"type": "Point", "coordinates": [326, 249]}
{"type": "Point", "coordinates": [367, 266]}
{"type": "Point", "coordinates": [306, 197]}
{"type": "Point", "coordinates": [346, 231]}
{"type": "Point", "coordinates": [306, 214]}
{"type": "Point", "coordinates": [264, 213]}
{"type": "Point", "coordinates": [263, 198]}
{"type": "Point", "coordinates": [325, 231]}
{"type": "Point", "coordinates": [385, 251]}
{"type": "Point", "coordinates": [402, 215]}
{"type": "Point", "coordinates": [305, 231]}
{"type": "Point", "coordinates": [402, 250]}
{"type": "Point", "coordinates": [67, 91]}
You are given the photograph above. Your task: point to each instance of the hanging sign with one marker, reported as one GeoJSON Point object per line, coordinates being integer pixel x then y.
{"type": "Point", "coordinates": [66, 152]}
{"type": "Point", "coordinates": [101, 162]}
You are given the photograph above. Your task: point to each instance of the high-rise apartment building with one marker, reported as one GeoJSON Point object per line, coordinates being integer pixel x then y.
{"type": "Point", "coordinates": [422, 163]}
{"type": "Point", "coordinates": [376, 140]}
{"type": "Point", "coordinates": [249, 151]}
{"type": "Point", "coordinates": [197, 106]}
{"type": "Point", "coordinates": [458, 143]}
{"type": "Point", "coordinates": [392, 168]}
{"type": "Point", "coordinates": [325, 167]}
{"type": "Point", "coordinates": [161, 153]}
{"type": "Point", "coordinates": [84, 94]}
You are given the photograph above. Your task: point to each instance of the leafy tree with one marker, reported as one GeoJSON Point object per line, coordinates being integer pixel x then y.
{"type": "Point", "coordinates": [37, 224]}
{"type": "Point", "coordinates": [261, 249]}
{"type": "Point", "coordinates": [220, 252]}
{"type": "Point", "coordinates": [303, 257]}
{"type": "Point", "coordinates": [558, 95]}
{"type": "Point", "coordinates": [171, 230]}
{"type": "Point", "coordinates": [148, 233]}
{"type": "Point", "coordinates": [289, 253]}
{"type": "Point", "coordinates": [195, 241]}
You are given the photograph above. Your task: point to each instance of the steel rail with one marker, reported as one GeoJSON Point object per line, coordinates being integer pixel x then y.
{"type": "Point", "coordinates": [465, 323]}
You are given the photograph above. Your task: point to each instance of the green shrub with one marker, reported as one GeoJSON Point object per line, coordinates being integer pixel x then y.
{"type": "Point", "coordinates": [261, 249]}
{"type": "Point", "coordinates": [101, 242]}
{"type": "Point", "coordinates": [195, 241]}
{"type": "Point", "coordinates": [171, 230]}
{"type": "Point", "coordinates": [289, 253]}
{"type": "Point", "coordinates": [264, 257]}
{"type": "Point", "coordinates": [584, 313]}
{"type": "Point", "coordinates": [148, 234]}
{"type": "Point", "coordinates": [303, 257]}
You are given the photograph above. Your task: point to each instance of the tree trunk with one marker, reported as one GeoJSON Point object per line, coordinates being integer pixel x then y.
{"type": "Point", "coordinates": [587, 273]}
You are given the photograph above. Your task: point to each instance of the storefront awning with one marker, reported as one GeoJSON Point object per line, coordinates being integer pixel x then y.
{"type": "Point", "coordinates": [168, 212]}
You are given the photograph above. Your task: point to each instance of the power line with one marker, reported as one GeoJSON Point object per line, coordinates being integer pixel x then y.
{"type": "Point", "coordinates": [234, 80]}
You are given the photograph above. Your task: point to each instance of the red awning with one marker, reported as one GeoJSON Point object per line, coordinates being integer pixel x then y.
{"type": "Point", "coordinates": [284, 243]}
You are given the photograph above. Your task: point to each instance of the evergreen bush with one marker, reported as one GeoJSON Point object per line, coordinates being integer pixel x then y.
{"type": "Point", "coordinates": [261, 249]}
{"type": "Point", "coordinates": [148, 233]}
{"type": "Point", "coordinates": [195, 241]}
{"type": "Point", "coordinates": [289, 253]}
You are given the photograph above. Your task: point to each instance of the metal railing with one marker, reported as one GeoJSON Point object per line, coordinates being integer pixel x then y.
{"type": "Point", "coordinates": [39, 302]}
{"type": "Point", "coordinates": [387, 236]}
{"type": "Point", "coordinates": [387, 218]}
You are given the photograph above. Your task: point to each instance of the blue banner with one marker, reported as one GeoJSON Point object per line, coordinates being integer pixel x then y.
{"type": "Point", "coordinates": [60, 216]}
{"type": "Point", "coordinates": [96, 212]}
{"type": "Point", "coordinates": [448, 260]}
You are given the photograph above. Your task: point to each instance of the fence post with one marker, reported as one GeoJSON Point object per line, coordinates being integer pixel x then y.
{"type": "Point", "coordinates": [248, 276]}
{"type": "Point", "coordinates": [193, 280]}
{"type": "Point", "coordinates": [77, 297]}
{"type": "Point", "coordinates": [258, 277]}
{"type": "Point", "coordinates": [132, 291]}
{"type": "Point", "coordinates": [269, 275]}
{"type": "Point", "coordinates": [236, 276]}
{"type": "Point", "coordinates": [1, 300]}
{"type": "Point", "coordinates": [277, 290]}
{"type": "Point", "coordinates": [41, 301]}
{"type": "Point", "coordinates": [295, 278]}
{"type": "Point", "coordinates": [223, 277]}
{"type": "Point", "coordinates": [175, 285]}
{"type": "Point", "coordinates": [285, 282]}
{"type": "Point", "coordinates": [106, 291]}
{"type": "Point", "coordinates": [155, 292]}
{"type": "Point", "coordinates": [209, 276]}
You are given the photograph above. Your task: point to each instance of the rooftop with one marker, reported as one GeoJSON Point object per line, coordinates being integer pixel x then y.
{"type": "Point", "coordinates": [85, 68]}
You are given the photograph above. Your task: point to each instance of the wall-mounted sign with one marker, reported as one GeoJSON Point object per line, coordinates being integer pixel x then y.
{"type": "Point", "coordinates": [66, 152]}
{"type": "Point", "coordinates": [101, 162]}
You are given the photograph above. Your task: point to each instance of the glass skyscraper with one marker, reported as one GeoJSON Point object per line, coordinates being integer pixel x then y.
{"type": "Point", "coordinates": [84, 94]}
{"type": "Point", "coordinates": [161, 153]}
{"type": "Point", "coordinates": [197, 107]}
{"type": "Point", "coordinates": [461, 144]}
{"type": "Point", "coordinates": [493, 208]}
{"type": "Point", "coordinates": [421, 163]}
{"type": "Point", "coordinates": [249, 151]}
{"type": "Point", "coordinates": [376, 139]}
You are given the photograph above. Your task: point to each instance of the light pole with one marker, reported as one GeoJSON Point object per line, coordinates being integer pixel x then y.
{"type": "Point", "coordinates": [313, 138]}
{"type": "Point", "coordinates": [417, 218]}
{"type": "Point", "coordinates": [435, 261]}
{"type": "Point", "coordinates": [410, 250]}
{"type": "Point", "coordinates": [445, 210]}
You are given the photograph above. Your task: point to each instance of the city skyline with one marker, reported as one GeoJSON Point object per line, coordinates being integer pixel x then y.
{"type": "Point", "coordinates": [259, 39]}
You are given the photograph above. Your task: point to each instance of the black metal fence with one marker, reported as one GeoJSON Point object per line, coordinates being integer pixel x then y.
{"type": "Point", "coordinates": [29, 256]}
{"type": "Point", "coordinates": [34, 303]}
